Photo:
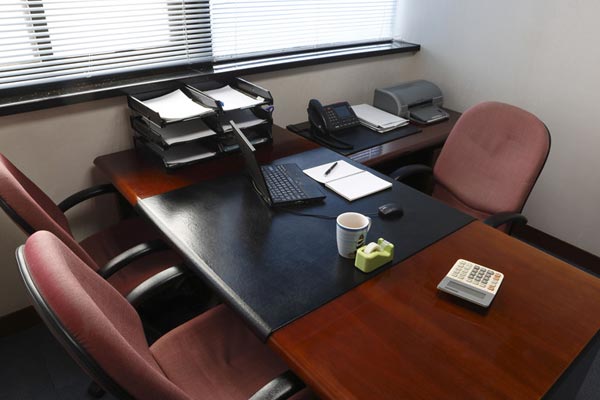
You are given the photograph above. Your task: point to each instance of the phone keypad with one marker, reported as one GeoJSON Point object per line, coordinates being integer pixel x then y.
{"type": "Point", "coordinates": [476, 275]}
{"type": "Point", "coordinates": [335, 122]}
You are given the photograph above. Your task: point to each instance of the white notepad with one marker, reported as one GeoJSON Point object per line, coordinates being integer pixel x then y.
{"type": "Point", "coordinates": [347, 180]}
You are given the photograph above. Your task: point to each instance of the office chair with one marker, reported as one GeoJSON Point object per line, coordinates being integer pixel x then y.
{"type": "Point", "coordinates": [489, 163]}
{"type": "Point", "coordinates": [213, 356]}
{"type": "Point", "coordinates": [107, 251]}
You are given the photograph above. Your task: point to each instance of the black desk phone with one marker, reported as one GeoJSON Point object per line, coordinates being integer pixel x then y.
{"type": "Point", "coordinates": [331, 118]}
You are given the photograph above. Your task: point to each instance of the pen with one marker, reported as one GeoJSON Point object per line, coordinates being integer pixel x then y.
{"type": "Point", "coordinates": [330, 168]}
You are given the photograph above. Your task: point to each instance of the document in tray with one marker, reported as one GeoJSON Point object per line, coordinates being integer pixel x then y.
{"type": "Point", "coordinates": [376, 119]}
{"type": "Point", "coordinates": [182, 154]}
{"type": "Point", "coordinates": [184, 131]}
{"type": "Point", "coordinates": [242, 118]}
{"type": "Point", "coordinates": [176, 106]}
{"type": "Point", "coordinates": [348, 181]}
{"type": "Point", "coordinates": [233, 99]}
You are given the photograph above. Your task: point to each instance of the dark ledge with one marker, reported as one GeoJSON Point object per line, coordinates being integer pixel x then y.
{"type": "Point", "coordinates": [13, 101]}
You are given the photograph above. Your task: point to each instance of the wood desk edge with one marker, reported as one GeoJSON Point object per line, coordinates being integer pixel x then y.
{"type": "Point", "coordinates": [135, 174]}
{"type": "Point", "coordinates": [343, 328]}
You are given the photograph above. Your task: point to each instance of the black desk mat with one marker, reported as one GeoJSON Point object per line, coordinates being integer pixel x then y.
{"type": "Point", "coordinates": [274, 266]}
{"type": "Point", "coordinates": [360, 137]}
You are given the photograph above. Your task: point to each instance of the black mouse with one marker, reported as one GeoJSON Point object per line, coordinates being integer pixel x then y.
{"type": "Point", "coordinates": [391, 210]}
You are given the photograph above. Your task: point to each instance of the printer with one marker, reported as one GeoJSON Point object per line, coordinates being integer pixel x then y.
{"type": "Point", "coordinates": [420, 101]}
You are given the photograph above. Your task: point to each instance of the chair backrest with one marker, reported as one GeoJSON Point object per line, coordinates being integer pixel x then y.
{"type": "Point", "coordinates": [491, 160]}
{"type": "Point", "coordinates": [32, 210]}
{"type": "Point", "coordinates": [97, 326]}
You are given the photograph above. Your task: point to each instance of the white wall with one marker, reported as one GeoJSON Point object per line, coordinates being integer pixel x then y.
{"type": "Point", "coordinates": [541, 55]}
{"type": "Point", "coordinates": [56, 147]}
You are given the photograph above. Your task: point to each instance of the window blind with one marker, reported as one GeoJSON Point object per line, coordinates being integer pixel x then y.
{"type": "Point", "coordinates": [244, 28]}
{"type": "Point", "coordinates": [45, 41]}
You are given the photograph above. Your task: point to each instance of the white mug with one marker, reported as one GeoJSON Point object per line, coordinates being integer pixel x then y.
{"type": "Point", "coordinates": [351, 232]}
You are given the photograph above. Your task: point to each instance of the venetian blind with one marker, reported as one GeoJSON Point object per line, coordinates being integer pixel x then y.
{"type": "Point", "coordinates": [45, 41]}
{"type": "Point", "coordinates": [242, 28]}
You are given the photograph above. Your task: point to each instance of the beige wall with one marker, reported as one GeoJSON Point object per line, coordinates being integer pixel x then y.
{"type": "Point", "coordinates": [56, 147]}
{"type": "Point", "coordinates": [539, 55]}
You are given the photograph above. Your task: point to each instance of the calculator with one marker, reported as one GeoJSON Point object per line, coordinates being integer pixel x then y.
{"type": "Point", "coordinates": [472, 282]}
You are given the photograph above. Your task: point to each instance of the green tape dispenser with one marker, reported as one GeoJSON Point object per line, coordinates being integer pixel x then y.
{"type": "Point", "coordinates": [374, 255]}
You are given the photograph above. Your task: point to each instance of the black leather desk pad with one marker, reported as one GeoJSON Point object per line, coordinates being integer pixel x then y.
{"type": "Point", "coordinates": [274, 266]}
{"type": "Point", "coordinates": [360, 137]}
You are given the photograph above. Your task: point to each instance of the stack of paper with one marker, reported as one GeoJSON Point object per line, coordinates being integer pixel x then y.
{"type": "Point", "coordinates": [242, 118]}
{"type": "Point", "coordinates": [180, 155]}
{"type": "Point", "coordinates": [181, 132]}
{"type": "Point", "coordinates": [378, 120]}
{"type": "Point", "coordinates": [233, 99]}
{"type": "Point", "coordinates": [176, 106]}
{"type": "Point", "coordinates": [347, 180]}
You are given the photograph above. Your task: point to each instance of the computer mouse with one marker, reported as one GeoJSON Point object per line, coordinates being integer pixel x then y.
{"type": "Point", "coordinates": [391, 210]}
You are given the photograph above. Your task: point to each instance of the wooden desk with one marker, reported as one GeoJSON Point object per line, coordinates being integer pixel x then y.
{"type": "Point", "coordinates": [135, 175]}
{"type": "Point", "coordinates": [396, 336]}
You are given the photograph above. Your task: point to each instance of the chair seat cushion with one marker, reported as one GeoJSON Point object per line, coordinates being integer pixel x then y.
{"type": "Point", "coordinates": [110, 242]}
{"type": "Point", "coordinates": [215, 356]}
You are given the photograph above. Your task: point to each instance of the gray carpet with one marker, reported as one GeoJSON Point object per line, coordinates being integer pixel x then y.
{"type": "Point", "coordinates": [35, 367]}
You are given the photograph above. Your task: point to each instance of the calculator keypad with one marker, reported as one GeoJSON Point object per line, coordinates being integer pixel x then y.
{"type": "Point", "coordinates": [476, 275]}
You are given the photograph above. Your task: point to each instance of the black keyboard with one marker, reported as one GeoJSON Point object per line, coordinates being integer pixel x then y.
{"type": "Point", "coordinates": [281, 187]}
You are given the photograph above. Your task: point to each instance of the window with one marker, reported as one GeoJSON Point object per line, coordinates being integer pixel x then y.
{"type": "Point", "coordinates": [45, 41]}
{"type": "Point", "coordinates": [248, 27]}
{"type": "Point", "coordinates": [54, 40]}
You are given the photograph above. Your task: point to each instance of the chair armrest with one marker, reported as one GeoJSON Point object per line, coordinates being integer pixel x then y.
{"type": "Point", "coordinates": [130, 255]}
{"type": "Point", "coordinates": [409, 170]}
{"type": "Point", "coordinates": [504, 218]}
{"type": "Point", "coordinates": [155, 284]}
{"type": "Point", "coordinates": [280, 388]}
{"type": "Point", "coordinates": [85, 194]}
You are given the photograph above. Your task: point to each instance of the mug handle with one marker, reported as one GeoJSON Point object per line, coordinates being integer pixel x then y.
{"type": "Point", "coordinates": [369, 226]}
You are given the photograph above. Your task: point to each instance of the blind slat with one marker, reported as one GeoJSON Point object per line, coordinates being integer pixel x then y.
{"type": "Point", "coordinates": [44, 41]}
{"type": "Point", "coordinates": [242, 28]}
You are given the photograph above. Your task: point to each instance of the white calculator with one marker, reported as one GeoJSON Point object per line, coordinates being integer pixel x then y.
{"type": "Point", "coordinates": [472, 282]}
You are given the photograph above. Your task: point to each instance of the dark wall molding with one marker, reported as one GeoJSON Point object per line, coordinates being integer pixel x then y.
{"type": "Point", "coordinates": [556, 247]}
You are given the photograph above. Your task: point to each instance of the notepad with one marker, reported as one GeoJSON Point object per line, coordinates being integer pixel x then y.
{"type": "Point", "coordinates": [348, 181]}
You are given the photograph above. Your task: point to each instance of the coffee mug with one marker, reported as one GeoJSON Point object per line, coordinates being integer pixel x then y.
{"type": "Point", "coordinates": [351, 232]}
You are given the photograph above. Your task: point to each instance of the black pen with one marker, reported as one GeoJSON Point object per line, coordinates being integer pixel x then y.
{"type": "Point", "coordinates": [330, 168]}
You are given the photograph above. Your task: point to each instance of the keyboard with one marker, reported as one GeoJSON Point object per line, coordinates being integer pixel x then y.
{"type": "Point", "coordinates": [281, 187]}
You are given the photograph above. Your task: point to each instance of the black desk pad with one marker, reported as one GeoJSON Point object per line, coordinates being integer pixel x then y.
{"type": "Point", "coordinates": [360, 137]}
{"type": "Point", "coordinates": [274, 266]}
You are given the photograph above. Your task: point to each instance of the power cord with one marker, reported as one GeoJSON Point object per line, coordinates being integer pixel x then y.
{"type": "Point", "coordinates": [320, 216]}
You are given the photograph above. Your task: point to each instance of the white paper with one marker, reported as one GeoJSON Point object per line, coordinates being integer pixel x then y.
{"type": "Point", "coordinates": [341, 170]}
{"type": "Point", "coordinates": [184, 131]}
{"type": "Point", "coordinates": [175, 106]}
{"type": "Point", "coordinates": [183, 153]}
{"type": "Point", "coordinates": [233, 99]}
{"type": "Point", "coordinates": [376, 118]}
{"type": "Point", "coordinates": [242, 118]}
{"type": "Point", "coordinates": [358, 185]}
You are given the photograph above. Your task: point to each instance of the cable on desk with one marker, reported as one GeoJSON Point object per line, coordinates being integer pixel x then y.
{"type": "Point", "coordinates": [373, 215]}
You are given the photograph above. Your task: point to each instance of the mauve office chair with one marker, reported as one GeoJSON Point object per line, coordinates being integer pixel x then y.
{"type": "Point", "coordinates": [489, 163]}
{"type": "Point", "coordinates": [213, 356]}
{"type": "Point", "coordinates": [126, 254]}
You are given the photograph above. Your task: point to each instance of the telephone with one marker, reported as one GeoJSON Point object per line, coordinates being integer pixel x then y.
{"type": "Point", "coordinates": [331, 118]}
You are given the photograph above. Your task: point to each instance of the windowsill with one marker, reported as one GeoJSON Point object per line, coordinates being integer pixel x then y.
{"type": "Point", "coordinates": [81, 91]}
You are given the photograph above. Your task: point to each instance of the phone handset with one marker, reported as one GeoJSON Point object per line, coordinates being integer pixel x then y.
{"type": "Point", "coordinates": [316, 115]}
{"type": "Point", "coordinates": [319, 128]}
